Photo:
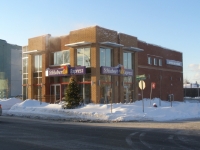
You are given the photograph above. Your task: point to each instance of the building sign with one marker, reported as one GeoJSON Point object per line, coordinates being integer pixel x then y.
{"type": "Point", "coordinates": [66, 71]}
{"type": "Point", "coordinates": [116, 71]}
{"type": "Point", "coordinates": [174, 62]}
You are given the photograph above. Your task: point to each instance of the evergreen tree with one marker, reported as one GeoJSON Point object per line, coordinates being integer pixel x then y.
{"type": "Point", "coordinates": [72, 94]}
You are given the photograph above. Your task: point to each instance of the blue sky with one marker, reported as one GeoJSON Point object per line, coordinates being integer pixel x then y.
{"type": "Point", "coordinates": [174, 24]}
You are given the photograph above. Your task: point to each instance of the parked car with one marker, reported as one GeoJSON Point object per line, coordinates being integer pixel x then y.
{"type": "Point", "coordinates": [0, 110]}
{"type": "Point", "coordinates": [18, 96]}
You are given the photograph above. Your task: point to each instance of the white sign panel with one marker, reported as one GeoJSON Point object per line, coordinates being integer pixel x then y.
{"type": "Point", "coordinates": [174, 62]}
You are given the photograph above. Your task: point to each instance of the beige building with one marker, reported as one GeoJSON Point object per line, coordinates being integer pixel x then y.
{"type": "Point", "coordinates": [103, 62]}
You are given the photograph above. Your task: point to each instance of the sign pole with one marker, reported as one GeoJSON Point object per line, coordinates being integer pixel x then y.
{"type": "Point", "coordinates": [142, 96]}
{"type": "Point", "coordinates": [150, 95]}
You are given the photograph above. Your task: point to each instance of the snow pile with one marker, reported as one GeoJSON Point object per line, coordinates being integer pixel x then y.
{"type": "Point", "coordinates": [105, 112]}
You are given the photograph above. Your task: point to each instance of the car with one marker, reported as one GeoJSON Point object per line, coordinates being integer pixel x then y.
{"type": "Point", "coordinates": [0, 110]}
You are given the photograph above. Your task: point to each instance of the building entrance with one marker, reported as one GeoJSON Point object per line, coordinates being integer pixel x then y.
{"type": "Point", "coordinates": [55, 93]}
{"type": "Point", "coordinates": [106, 93]}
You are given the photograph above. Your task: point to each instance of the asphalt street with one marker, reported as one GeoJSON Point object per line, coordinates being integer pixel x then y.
{"type": "Point", "coordinates": [33, 134]}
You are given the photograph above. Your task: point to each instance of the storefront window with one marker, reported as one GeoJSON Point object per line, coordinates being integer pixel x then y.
{"type": "Point", "coordinates": [105, 89]}
{"type": "Point", "coordinates": [105, 57]}
{"type": "Point", "coordinates": [84, 83]}
{"type": "Point", "coordinates": [83, 57]}
{"type": "Point", "coordinates": [128, 89]}
{"type": "Point", "coordinates": [61, 57]}
{"type": "Point", "coordinates": [127, 60]}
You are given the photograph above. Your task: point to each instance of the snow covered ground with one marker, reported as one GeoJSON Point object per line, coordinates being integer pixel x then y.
{"type": "Point", "coordinates": [102, 112]}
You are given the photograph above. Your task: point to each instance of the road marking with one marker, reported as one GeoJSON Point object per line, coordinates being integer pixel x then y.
{"type": "Point", "coordinates": [128, 138]}
{"type": "Point", "coordinates": [172, 140]}
{"type": "Point", "coordinates": [143, 142]}
{"type": "Point", "coordinates": [129, 141]}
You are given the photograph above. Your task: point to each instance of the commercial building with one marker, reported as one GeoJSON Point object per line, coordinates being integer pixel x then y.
{"type": "Point", "coordinates": [105, 64]}
{"type": "Point", "coordinates": [10, 69]}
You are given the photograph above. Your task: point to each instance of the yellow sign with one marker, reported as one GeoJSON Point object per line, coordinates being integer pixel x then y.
{"type": "Point", "coordinates": [142, 85]}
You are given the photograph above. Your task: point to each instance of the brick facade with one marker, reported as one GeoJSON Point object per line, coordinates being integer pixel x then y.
{"type": "Point", "coordinates": [171, 82]}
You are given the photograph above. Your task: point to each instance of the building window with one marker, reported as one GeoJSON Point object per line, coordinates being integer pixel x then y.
{"type": "Point", "coordinates": [38, 63]}
{"type": "Point", "coordinates": [105, 57]}
{"type": "Point", "coordinates": [37, 76]}
{"type": "Point", "coordinates": [155, 61]}
{"type": "Point", "coordinates": [160, 62]}
{"type": "Point", "coordinates": [83, 57]}
{"type": "Point", "coordinates": [127, 60]}
{"type": "Point", "coordinates": [149, 60]}
{"type": "Point", "coordinates": [61, 57]}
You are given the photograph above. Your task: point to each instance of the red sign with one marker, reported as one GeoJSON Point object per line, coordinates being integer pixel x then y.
{"type": "Point", "coordinates": [153, 85]}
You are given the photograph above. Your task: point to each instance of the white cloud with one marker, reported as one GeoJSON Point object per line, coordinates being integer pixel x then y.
{"type": "Point", "coordinates": [194, 67]}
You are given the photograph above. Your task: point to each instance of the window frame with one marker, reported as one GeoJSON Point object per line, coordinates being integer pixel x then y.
{"type": "Point", "coordinates": [106, 59]}
{"type": "Point", "coordinates": [149, 60]}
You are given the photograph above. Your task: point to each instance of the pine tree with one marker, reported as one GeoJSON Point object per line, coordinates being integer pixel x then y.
{"type": "Point", "coordinates": [72, 94]}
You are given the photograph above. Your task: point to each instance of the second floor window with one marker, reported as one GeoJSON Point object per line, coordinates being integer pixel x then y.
{"type": "Point", "coordinates": [83, 57]}
{"type": "Point", "coordinates": [105, 57]}
{"type": "Point", "coordinates": [127, 59]}
{"type": "Point", "coordinates": [155, 61]}
{"type": "Point", "coordinates": [61, 57]}
{"type": "Point", "coordinates": [149, 60]}
{"type": "Point", "coordinates": [160, 62]}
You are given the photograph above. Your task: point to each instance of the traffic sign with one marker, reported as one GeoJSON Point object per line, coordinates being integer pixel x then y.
{"type": "Point", "coordinates": [153, 85]}
{"type": "Point", "coordinates": [142, 85]}
{"type": "Point", "coordinates": [141, 77]}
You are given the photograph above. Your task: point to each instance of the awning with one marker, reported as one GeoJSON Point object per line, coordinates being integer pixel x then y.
{"type": "Point", "coordinates": [78, 44]}
{"type": "Point", "coordinates": [33, 51]}
{"type": "Point", "coordinates": [134, 49]}
{"type": "Point", "coordinates": [111, 44]}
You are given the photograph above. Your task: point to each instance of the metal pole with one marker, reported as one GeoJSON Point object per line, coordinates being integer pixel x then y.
{"type": "Point", "coordinates": [142, 96]}
{"type": "Point", "coordinates": [170, 96]}
{"type": "Point", "coordinates": [150, 95]}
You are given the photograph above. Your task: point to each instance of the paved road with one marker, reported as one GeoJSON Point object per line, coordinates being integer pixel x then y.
{"type": "Point", "coordinates": [29, 134]}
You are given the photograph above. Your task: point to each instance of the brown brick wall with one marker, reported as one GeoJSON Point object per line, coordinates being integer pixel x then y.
{"type": "Point", "coordinates": [37, 43]}
{"type": "Point", "coordinates": [161, 75]}
{"type": "Point", "coordinates": [106, 35]}
{"type": "Point", "coordinates": [85, 34]}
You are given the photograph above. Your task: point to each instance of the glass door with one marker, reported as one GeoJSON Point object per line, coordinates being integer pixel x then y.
{"type": "Point", "coordinates": [126, 94]}
{"type": "Point", "coordinates": [55, 93]}
{"type": "Point", "coordinates": [106, 93]}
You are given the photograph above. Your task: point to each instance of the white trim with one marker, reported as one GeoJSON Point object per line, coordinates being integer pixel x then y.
{"type": "Point", "coordinates": [78, 44]}
{"type": "Point", "coordinates": [59, 65]}
{"type": "Point", "coordinates": [33, 51]}
{"type": "Point", "coordinates": [134, 49]}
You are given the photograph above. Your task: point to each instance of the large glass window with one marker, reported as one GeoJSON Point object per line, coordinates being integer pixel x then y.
{"type": "Point", "coordinates": [25, 72]}
{"type": "Point", "coordinates": [61, 57]}
{"type": "Point", "coordinates": [105, 89]}
{"type": "Point", "coordinates": [37, 76]}
{"type": "Point", "coordinates": [83, 57]}
{"type": "Point", "coordinates": [105, 57]}
{"type": "Point", "coordinates": [127, 58]}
